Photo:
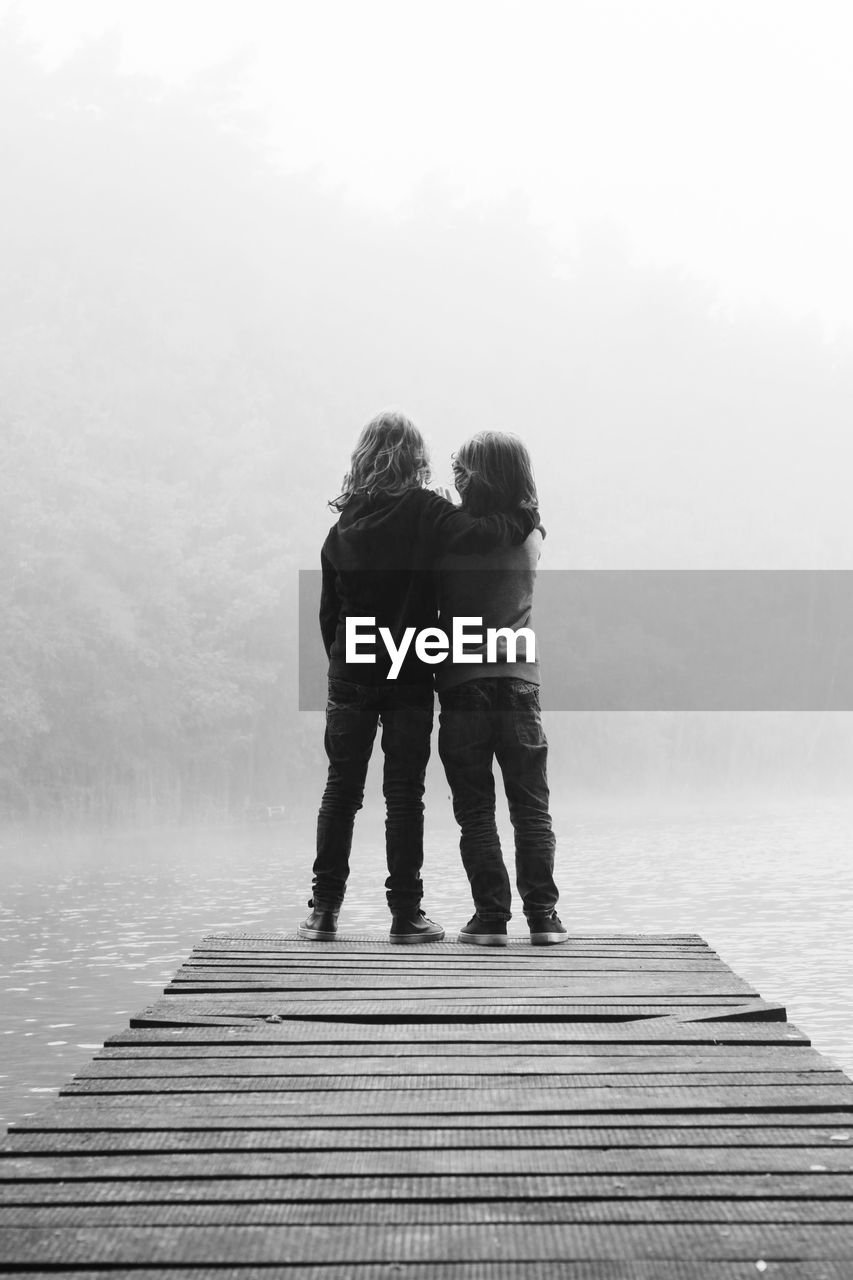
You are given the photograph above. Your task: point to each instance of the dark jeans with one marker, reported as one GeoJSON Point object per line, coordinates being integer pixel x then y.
{"type": "Point", "coordinates": [499, 718]}
{"type": "Point", "coordinates": [352, 714]}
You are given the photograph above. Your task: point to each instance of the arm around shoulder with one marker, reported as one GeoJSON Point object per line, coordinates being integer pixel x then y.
{"type": "Point", "coordinates": [453, 530]}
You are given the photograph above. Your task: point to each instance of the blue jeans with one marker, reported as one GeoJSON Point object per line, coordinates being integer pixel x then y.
{"type": "Point", "coordinates": [352, 715]}
{"type": "Point", "coordinates": [499, 718]}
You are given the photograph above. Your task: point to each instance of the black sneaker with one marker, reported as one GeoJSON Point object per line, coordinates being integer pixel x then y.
{"type": "Point", "coordinates": [483, 933]}
{"type": "Point", "coordinates": [321, 925]}
{"type": "Point", "coordinates": [407, 929]}
{"type": "Point", "coordinates": [546, 928]}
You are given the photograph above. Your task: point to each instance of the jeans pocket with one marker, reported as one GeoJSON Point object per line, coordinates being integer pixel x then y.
{"type": "Point", "coordinates": [526, 714]}
{"type": "Point", "coordinates": [343, 707]}
{"type": "Point", "coordinates": [469, 696]}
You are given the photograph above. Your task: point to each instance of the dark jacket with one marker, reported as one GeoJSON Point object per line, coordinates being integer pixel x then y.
{"type": "Point", "coordinates": [499, 589]}
{"type": "Point", "coordinates": [378, 562]}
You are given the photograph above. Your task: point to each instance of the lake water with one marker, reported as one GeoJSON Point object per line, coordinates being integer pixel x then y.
{"type": "Point", "coordinates": [92, 926]}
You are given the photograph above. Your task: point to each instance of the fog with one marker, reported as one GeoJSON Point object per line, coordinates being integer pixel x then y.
{"type": "Point", "coordinates": [192, 332]}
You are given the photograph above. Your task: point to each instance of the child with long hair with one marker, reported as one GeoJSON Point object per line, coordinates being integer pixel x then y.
{"type": "Point", "coordinates": [490, 710]}
{"type": "Point", "coordinates": [377, 562]}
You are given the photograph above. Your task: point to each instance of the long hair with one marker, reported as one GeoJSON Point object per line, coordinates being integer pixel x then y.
{"type": "Point", "coordinates": [494, 473]}
{"type": "Point", "coordinates": [390, 457]}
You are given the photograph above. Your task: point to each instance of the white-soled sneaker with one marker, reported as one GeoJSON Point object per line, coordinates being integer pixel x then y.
{"type": "Point", "coordinates": [321, 925]}
{"type": "Point", "coordinates": [483, 933]}
{"type": "Point", "coordinates": [546, 929]}
{"type": "Point", "coordinates": [408, 929]}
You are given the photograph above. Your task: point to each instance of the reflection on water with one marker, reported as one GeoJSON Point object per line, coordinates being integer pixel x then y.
{"type": "Point", "coordinates": [93, 927]}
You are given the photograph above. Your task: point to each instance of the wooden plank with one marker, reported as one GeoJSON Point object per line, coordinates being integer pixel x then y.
{"type": "Point", "coordinates": [517, 939]}
{"type": "Point", "coordinates": [628, 1003]}
{"type": "Point", "coordinates": [663, 1031]}
{"type": "Point", "coordinates": [419, 1213]}
{"type": "Point", "coordinates": [218, 1113]}
{"type": "Point", "coordinates": [185, 1016]}
{"type": "Point", "coordinates": [455, 973]}
{"type": "Point", "coordinates": [518, 951]}
{"type": "Point", "coordinates": [611, 1269]}
{"type": "Point", "coordinates": [518, 947]}
{"type": "Point", "coordinates": [746, 1056]}
{"type": "Point", "coordinates": [634, 981]}
{"type": "Point", "coordinates": [521, 993]}
{"type": "Point", "coordinates": [445, 1101]}
{"type": "Point", "coordinates": [461, 1057]}
{"type": "Point", "coordinates": [473, 1162]}
{"type": "Point", "coordinates": [419, 1060]}
{"type": "Point", "coordinates": [358, 1076]}
{"type": "Point", "coordinates": [336, 954]}
{"type": "Point", "coordinates": [348, 940]}
{"type": "Point", "coordinates": [185, 1009]}
{"type": "Point", "coordinates": [451, 967]}
{"type": "Point", "coordinates": [577, 1091]}
{"type": "Point", "coordinates": [244, 1138]}
{"type": "Point", "coordinates": [562, 959]}
{"type": "Point", "coordinates": [485, 961]}
{"type": "Point", "coordinates": [444, 1188]}
{"type": "Point", "coordinates": [298, 1245]}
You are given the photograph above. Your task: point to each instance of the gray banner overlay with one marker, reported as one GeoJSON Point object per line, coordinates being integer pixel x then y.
{"type": "Point", "coordinates": [669, 640]}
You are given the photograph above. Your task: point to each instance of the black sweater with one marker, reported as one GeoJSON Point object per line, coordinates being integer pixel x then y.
{"type": "Point", "coordinates": [378, 562]}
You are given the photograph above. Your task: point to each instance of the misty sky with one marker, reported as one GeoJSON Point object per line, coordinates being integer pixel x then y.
{"type": "Point", "coordinates": [710, 133]}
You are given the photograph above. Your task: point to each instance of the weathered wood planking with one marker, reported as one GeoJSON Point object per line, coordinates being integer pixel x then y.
{"type": "Point", "coordinates": [612, 1107]}
{"type": "Point", "coordinates": [612, 1269]}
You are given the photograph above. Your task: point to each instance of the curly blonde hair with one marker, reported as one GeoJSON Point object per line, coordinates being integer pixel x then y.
{"type": "Point", "coordinates": [390, 457]}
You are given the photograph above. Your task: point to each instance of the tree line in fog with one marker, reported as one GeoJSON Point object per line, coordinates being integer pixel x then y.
{"type": "Point", "coordinates": [190, 338]}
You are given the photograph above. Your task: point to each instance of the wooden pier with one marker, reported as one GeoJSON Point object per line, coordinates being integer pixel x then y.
{"type": "Point", "coordinates": [616, 1106]}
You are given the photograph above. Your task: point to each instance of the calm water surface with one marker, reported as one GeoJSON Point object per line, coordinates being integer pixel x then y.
{"type": "Point", "coordinates": [93, 926]}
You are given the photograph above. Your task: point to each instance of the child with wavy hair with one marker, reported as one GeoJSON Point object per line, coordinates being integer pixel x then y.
{"type": "Point", "coordinates": [377, 562]}
{"type": "Point", "coordinates": [490, 710]}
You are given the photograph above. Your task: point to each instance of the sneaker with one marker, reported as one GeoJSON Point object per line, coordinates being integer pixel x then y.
{"type": "Point", "coordinates": [321, 925]}
{"type": "Point", "coordinates": [415, 927]}
{"type": "Point", "coordinates": [483, 933]}
{"type": "Point", "coordinates": [546, 928]}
